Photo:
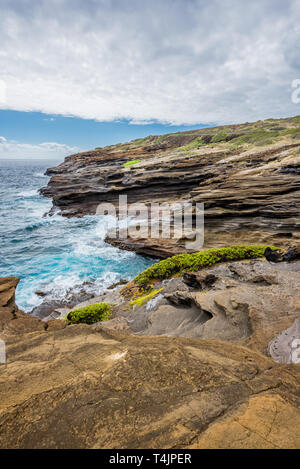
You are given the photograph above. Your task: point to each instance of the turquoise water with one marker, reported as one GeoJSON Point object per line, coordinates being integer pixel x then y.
{"type": "Point", "coordinates": [52, 253]}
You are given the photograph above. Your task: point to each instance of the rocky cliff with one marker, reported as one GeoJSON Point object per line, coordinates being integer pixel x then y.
{"type": "Point", "coordinates": [199, 352]}
{"type": "Point", "coordinates": [246, 175]}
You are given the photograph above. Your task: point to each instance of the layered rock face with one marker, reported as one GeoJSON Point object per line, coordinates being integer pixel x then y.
{"type": "Point", "coordinates": [114, 386]}
{"type": "Point", "coordinates": [207, 362]}
{"type": "Point", "coordinates": [246, 175]}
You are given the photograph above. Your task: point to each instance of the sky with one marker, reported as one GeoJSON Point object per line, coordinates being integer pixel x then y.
{"type": "Point", "coordinates": [75, 75]}
{"type": "Point", "coordinates": [37, 135]}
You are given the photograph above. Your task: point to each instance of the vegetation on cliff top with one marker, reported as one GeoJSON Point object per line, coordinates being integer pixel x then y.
{"type": "Point", "coordinates": [250, 134]}
{"type": "Point", "coordinates": [90, 314]}
{"type": "Point", "coordinates": [192, 262]}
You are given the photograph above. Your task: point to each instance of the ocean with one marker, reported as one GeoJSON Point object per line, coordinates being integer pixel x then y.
{"type": "Point", "coordinates": [53, 254]}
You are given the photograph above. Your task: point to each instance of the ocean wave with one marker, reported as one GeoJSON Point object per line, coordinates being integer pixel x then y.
{"type": "Point", "coordinates": [53, 253]}
{"type": "Point", "coordinates": [92, 243]}
{"type": "Point", "coordinates": [32, 227]}
{"type": "Point", "coordinates": [69, 290]}
{"type": "Point", "coordinates": [66, 287]}
{"type": "Point", "coordinates": [30, 193]}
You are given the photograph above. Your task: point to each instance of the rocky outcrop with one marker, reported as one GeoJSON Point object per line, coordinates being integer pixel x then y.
{"type": "Point", "coordinates": [14, 321]}
{"type": "Point", "coordinates": [203, 361]}
{"type": "Point", "coordinates": [247, 303]}
{"type": "Point", "coordinates": [247, 177]}
{"type": "Point", "coordinates": [83, 387]}
{"type": "Point", "coordinates": [115, 385]}
{"type": "Point", "coordinates": [70, 297]}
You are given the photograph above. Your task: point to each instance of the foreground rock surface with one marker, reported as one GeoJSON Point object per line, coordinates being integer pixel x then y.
{"type": "Point", "coordinates": [83, 388]}
{"type": "Point", "coordinates": [99, 387]}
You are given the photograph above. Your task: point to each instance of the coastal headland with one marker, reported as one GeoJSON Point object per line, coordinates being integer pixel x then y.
{"type": "Point", "coordinates": [201, 349]}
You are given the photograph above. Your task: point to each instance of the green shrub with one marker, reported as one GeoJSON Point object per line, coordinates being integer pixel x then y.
{"type": "Point", "coordinates": [220, 137]}
{"type": "Point", "coordinates": [296, 119]}
{"type": "Point", "coordinates": [293, 132]}
{"type": "Point", "coordinates": [194, 144]}
{"type": "Point", "coordinates": [90, 314]}
{"type": "Point", "coordinates": [192, 262]}
{"type": "Point", "coordinates": [258, 137]}
{"type": "Point", "coordinates": [130, 163]}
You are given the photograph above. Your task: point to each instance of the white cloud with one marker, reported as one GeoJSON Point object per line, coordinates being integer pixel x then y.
{"type": "Point", "coordinates": [178, 61]}
{"type": "Point", "coordinates": [12, 149]}
{"type": "Point", "coordinates": [141, 122]}
{"type": "Point", "coordinates": [2, 91]}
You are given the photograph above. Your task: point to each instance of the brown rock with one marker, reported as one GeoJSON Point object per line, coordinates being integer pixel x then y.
{"type": "Point", "coordinates": [117, 324]}
{"type": "Point", "coordinates": [7, 290]}
{"type": "Point", "coordinates": [41, 293]}
{"type": "Point", "coordinates": [117, 284]}
{"type": "Point", "coordinates": [55, 325]}
{"type": "Point", "coordinates": [263, 422]}
{"type": "Point", "coordinates": [86, 388]}
{"type": "Point", "coordinates": [179, 298]}
{"type": "Point", "coordinates": [93, 387]}
{"type": "Point", "coordinates": [24, 324]}
{"type": "Point", "coordinates": [200, 280]}
{"type": "Point", "coordinates": [12, 320]}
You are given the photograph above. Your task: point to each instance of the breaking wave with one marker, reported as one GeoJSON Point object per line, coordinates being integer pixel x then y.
{"type": "Point", "coordinates": [53, 254]}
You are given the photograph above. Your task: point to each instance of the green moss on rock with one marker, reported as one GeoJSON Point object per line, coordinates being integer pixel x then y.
{"type": "Point", "coordinates": [90, 314]}
{"type": "Point", "coordinates": [130, 163]}
{"type": "Point", "coordinates": [171, 266]}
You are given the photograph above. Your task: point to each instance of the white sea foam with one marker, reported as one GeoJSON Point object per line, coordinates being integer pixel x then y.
{"type": "Point", "coordinates": [66, 287]}
{"type": "Point", "coordinates": [31, 193]}
{"type": "Point", "coordinates": [62, 257]}
{"type": "Point", "coordinates": [93, 241]}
